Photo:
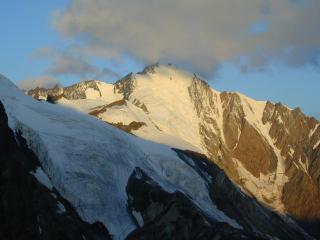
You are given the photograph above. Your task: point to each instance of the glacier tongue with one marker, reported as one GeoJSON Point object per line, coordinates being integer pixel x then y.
{"type": "Point", "coordinates": [89, 162]}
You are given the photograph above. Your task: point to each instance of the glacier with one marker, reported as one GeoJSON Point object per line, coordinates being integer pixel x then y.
{"type": "Point", "coordinates": [89, 162]}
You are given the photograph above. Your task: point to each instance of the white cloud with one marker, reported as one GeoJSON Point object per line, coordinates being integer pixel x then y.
{"type": "Point", "coordinates": [199, 33]}
{"type": "Point", "coordinates": [42, 82]}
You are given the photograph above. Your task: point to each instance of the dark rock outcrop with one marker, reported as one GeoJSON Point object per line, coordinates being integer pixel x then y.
{"type": "Point", "coordinates": [162, 215]}
{"type": "Point", "coordinates": [125, 86]}
{"type": "Point", "coordinates": [171, 215]}
{"type": "Point", "coordinates": [247, 211]}
{"type": "Point", "coordinates": [28, 209]}
{"type": "Point", "coordinates": [133, 126]}
{"type": "Point", "coordinates": [102, 109]}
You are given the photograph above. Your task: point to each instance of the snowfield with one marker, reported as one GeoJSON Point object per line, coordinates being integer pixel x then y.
{"type": "Point", "coordinates": [89, 162]}
{"type": "Point", "coordinates": [172, 118]}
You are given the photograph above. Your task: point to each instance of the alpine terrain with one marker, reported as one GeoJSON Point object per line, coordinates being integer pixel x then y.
{"type": "Point", "coordinates": [159, 154]}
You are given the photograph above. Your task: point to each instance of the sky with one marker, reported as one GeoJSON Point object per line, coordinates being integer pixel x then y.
{"type": "Point", "coordinates": [266, 49]}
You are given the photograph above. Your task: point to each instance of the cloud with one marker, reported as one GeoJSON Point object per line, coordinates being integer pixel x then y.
{"type": "Point", "coordinates": [70, 65]}
{"type": "Point", "coordinates": [43, 81]}
{"type": "Point", "coordinates": [71, 61]}
{"type": "Point", "coordinates": [199, 33]}
{"type": "Point", "coordinates": [45, 53]}
{"type": "Point", "coordinates": [107, 74]}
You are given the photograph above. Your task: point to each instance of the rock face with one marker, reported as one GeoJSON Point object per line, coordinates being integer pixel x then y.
{"type": "Point", "coordinates": [229, 198]}
{"type": "Point", "coordinates": [297, 137]}
{"type": "Point", "coordinates": [265, 146]}
{"type": "Point", "coordinates": [162, 215]}
{"type": "Point", "coordinates": [29, 209]}
{"type": "Point", "coordinates": [270, 151]}
{"type": "Point", "coordinates": [74, 92]}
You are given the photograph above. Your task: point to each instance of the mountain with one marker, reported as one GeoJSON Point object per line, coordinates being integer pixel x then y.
{"type": "Point", "coordinates": [270, 151]}
{"type": "Point", "coordinates": [67, 175]}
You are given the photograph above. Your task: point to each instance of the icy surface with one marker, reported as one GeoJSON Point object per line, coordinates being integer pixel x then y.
{"type": "Point", "coordinates": [42, 178]}
{"type": "Point", "coordinates": [316, 145]}
{"type": "Point", "coordinates": [61, 209]}
{"type": "Point", "coordinates": [90, 162]}
{"type": "Point", "coordinates": [312, 131]}
{"type": "Point", "coordinates": [138, 217]}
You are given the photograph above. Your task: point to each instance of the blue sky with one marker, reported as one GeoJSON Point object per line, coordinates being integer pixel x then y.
{"type": "Point", "coordinates": [29, 26]}
{"type": "Point", "coordinates": [25, 28]}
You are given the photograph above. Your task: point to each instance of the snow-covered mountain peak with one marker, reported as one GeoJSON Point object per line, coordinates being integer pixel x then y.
{"type": "Point", "coordinates": [150, 69]}
{"type": "Point", "coordinates": [258, 143]}
{"type": "Point", "coordinates": [157, 67]}
{"type": "Point", "coordinates": [270, 151]}
{"type": "Point", "coordinates": [162, 73]}
{"type": "Point", "coordinates": [135, 187]}
{"type": "Point", "coordinates": [90, 162]}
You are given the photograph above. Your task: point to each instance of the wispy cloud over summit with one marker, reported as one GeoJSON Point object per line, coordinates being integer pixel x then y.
{"type": "Point", "coordinates": [198, 33]}
{"type": "Point", "coordinates": [72, 61]}
{"type": "Point", "coordinates": [43, 82]}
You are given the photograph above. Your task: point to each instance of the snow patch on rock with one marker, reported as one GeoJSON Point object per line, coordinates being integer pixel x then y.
{"type": "Point", "coordinates": [42, 178]}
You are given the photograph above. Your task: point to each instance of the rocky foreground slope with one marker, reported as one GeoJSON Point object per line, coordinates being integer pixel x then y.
{"type": "Point", "coordinates": [30, 207]}
{"type": "Point", "coordinates": [270, 151]}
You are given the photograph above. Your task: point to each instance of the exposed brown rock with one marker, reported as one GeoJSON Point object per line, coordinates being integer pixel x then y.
{"type": "Point", "coordinates": [204, 101]}
{"type": "Point", "coordinates": [303, 202]}
{"type": "Point", "coordinates": [233, 117]}
{"type": "Point", "coordinates": [54, 98]}
{"type": "Point", "coordinates": [125, 86]}
{"type": "Point", "coordinates": [289, 129]}
{"type": "Point", "coordinates": [254, 152]}
{"type": "Point", "coordinates": [102, 109]}
{"type": "Point", "coordinates": [133, 126]}
{"type": "Point", "coordinates": [141, 105]}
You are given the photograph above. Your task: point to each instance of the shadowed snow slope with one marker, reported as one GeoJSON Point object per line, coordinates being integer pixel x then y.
{"type": "Point", "coordinates": [30, 208]}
